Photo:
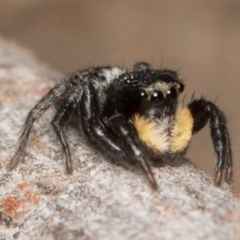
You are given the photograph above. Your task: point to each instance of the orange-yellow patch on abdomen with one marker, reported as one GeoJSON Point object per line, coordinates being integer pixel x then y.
{"type": "Point", "coordinates": [151, 133]}
{"type": "Point", "coordinates": [181, 132]}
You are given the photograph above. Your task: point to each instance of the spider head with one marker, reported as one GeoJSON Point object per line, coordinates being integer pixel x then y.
{"type": "Point", "coordinates": [161, 93]}
{"type": "Point", "coordinates": [145, 91]}
{"type": "Point", "coordinates": [152, 93]}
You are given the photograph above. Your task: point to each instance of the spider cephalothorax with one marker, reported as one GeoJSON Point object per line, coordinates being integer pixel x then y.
{"type": "Point", "coordinates": [131, 115]}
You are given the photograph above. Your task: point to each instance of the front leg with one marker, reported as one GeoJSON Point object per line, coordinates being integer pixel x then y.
{"type": "Point", "coordinates": [202, 111]}
{"type": "Point", "coordinates": [131, 144]}
{"type": "Point", "coordinates": [118, 139]}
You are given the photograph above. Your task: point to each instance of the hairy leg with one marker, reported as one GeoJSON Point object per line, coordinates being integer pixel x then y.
{"type": "Point", "coordinates": [119, 137]}
{"type": "Point", "coordinates": [202, 111]}
{"type": "Point", "coordinates": [36, 112]}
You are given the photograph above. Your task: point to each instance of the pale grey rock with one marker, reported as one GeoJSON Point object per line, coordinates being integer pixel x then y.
{"type": "Point", "coordinates": [101, 200]}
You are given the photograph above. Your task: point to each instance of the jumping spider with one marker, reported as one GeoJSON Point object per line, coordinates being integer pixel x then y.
{"type": "Point", "coordinates": [131, 115]}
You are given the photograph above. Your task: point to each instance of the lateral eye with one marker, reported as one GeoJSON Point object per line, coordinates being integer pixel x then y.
{"type": "Point", "coordinates": [157, 97]}
{"type": "Point", "coordinates": [180, 87]}
{"type": "Point", "coordinates": [172, 93]}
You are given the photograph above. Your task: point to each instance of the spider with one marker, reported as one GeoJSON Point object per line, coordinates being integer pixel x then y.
{"type": "Point", "coordinates": [132, 115]}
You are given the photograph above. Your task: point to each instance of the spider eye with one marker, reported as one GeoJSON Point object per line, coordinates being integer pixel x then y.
{"type": "Point", "coordinates": [143, 94]}
{"type": "Point", "coordinates": [157, 97]}
{"type": "Point", "coordinates": [172, 93]}
{"type": "Point", "coordinates": [180, 87]}
{"type": "Point", "coordinates": [141, 66]}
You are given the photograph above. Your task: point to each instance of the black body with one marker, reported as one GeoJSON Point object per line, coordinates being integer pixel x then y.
{"type": "Point", "coordinates": [101, 102]}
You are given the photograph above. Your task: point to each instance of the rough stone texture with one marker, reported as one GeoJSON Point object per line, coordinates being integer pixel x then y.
{"type": "Point", "coordinates": [101, 200]}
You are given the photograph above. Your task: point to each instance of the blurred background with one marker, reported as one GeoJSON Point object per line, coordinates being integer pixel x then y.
{"type": "Point", "coordinates": [200, 39]}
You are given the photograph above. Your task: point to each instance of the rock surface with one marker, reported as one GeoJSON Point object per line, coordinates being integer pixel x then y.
{"type": "Point", "coordinates": [100, 200]}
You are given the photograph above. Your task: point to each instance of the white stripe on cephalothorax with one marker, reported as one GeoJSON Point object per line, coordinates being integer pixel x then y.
{"type": "Point", "coordinates": [112, 73]}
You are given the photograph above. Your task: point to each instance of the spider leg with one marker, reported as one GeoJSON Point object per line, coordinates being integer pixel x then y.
{"type": "Point", "coordinates": [126, 132]}
{"type": "Point", "coordinates": [118, 137]}
{"type": "Point", "coordinates": [36, 112]}
{"type": "Point", "coordinates": [202, 111]}
{"type": "Point", "coordinates": [93, 128]}
{"type": "Point", "coordinates": [58, 122]}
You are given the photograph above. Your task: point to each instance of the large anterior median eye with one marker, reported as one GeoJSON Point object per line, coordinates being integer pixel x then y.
{"type": "Point", "coordinates": [157, 97]}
